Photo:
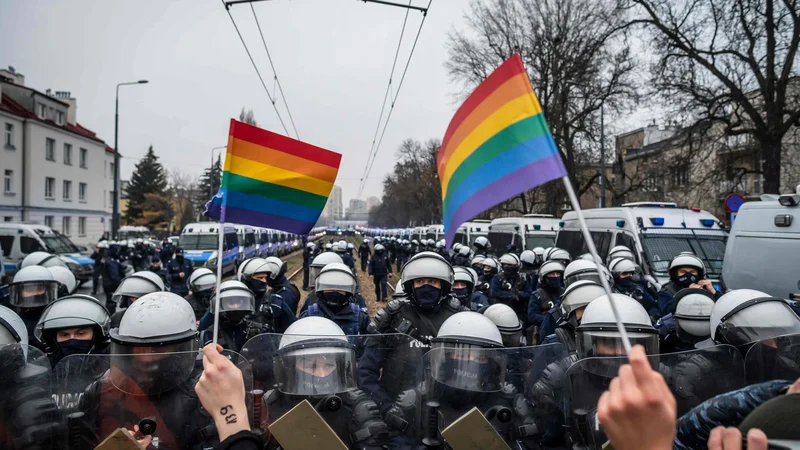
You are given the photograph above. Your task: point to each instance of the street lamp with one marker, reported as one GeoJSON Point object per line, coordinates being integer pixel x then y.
{"type": "Point", "coordinates": [115, 214]}
{"type": "Point", "coordinates": [210, 181]}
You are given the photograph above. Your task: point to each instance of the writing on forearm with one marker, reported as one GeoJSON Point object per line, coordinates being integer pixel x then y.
{"type": "Point", "coordinates": [229, 418]}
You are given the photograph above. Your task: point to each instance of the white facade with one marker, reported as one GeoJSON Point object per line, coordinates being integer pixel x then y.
{"type": "Point", "coordinates": [62, 178]}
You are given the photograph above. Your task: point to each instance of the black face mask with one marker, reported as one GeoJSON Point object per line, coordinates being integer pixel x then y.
{"type": "Point", "coordinates": [427, 296]}
{"type": "Point", "coordinates": [334, 300]}
{"type": "Point", "coordinates": [687, 280]}
{"type": "Point", "coordinates": [234, 317]}
{"type": "Point", "coordinates": [314, 385]}
{"type": "Point", "coordinates": [461, 293]}
{"type": "Point", "coordinates": [625, 282]}
{"type": "Point", "coordinates": [74, 347]}
{"type": "Point", "coordinates": [510, 272]}
{"type": "Point", "coordinates": [204, 297]}
{"type": "Point", "coordinates": [179, 258]}
{"type": "Point", "coordinates": [552, 283]}
{"type": "Point", "coordinates": [259, 287]}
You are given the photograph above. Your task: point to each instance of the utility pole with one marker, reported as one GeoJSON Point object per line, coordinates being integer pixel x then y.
{"type": "Point", "coordinates": [115, 203]}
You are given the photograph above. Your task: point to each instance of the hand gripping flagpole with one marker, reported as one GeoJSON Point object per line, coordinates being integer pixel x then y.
{"type": "Point", "coordinates": [593, 250]}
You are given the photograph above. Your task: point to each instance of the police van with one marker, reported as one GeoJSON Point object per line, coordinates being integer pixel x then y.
{"type": "Point", "coordinates": [524, 233]}
{"type": "Point", "coordinates": [655, 232]}
{"type": "Point", "coordinates": [469, 231]}
{"type": "Point", "coordinates": [764, 247]}
{"type": "Point", "coordinates": [20, 239]}
{"type": "Point", "coordinates": [200, 243]}
{"type": "Point", "coordinates": [435, 232]}
{"type": "Point", "coordinates": [419, 233]}
{"type": "Point", "coordinates": [246, 235]}
{"type": "Point", "coordinates": [133, 232]}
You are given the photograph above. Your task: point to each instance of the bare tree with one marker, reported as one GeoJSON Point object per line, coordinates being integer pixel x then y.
{"type": "Point", "coordinates": [182, 191]}
{"type": "Point", "coordinates": [728, 62]}
{"type": "Point", "coordinates": [577, 61]}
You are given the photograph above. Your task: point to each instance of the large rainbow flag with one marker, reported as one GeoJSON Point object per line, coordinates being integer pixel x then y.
{"type": "Point", "coordinates": [273, 181]}
{"type": "Point", "coordinates": [497, 146]}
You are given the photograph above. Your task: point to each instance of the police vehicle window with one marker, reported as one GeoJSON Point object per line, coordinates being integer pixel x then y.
{"type": "Point", "coordinates": [712, 251]}
{"type": "Point", "coordinates": [460, 238]}
{"type": "Point", "coordinates": [5, 243]}
{"type": "Point", "coordinates": [517, 243]}
{"type": "Point", "coordinates": [415, 236]}
{"type": "Point", "coordinates": [532, 242]}
{"type": "Point", "coordinates": [29, 245]}
{"type": "Point", "coordinates": [231, 240]}
{"type": "Point", "coordinates": [627, 241]}
{"type": "Point", "coordinates": [430, 236]}
{"type": "Point", "coordinates": [199, 241]}
{"type": "Point", "coordinates": [249, 239]}
{"type": "Point", "coordinates": [499, 240]}
{"type": "Point", "coordinates": [573, 242]}
{"type": "Point", "coordinates": [661, 250]}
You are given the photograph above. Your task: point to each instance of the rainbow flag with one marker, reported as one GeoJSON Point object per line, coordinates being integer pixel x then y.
{"type": "Point", "coordinates": [273, 181]}
{"type": "Point", "coordinates": [497, 146]}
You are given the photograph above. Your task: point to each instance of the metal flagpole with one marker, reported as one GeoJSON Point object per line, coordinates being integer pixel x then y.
{"type": "Point", "coordinates": [219, 278]}
{"type": "Point", "coordinates": [593, 250]}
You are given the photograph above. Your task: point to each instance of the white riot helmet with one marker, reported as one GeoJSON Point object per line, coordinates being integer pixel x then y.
{"type": "Point", "coordinates": [477, 262]}
{"type": "Point", "coordinates": [139, 241]}
{"type": "Point", "coordinates": [137, 285]}
{"type": "Point", "coordinates": [576, 297]}
{"type": "Point", "coordinates": [414, 242]}
{"type": "Point", "coordinates": [743, 316]}
{"type": "Point", "coordinates": [427, 265]}
{"type": "Point", "coordinates": [378, 248]}
{"type": "Point", "coordinates": [461, 274]}
{"type": "Point", "coordinates": [33, 287]}
{"type": "Point", "coordinates": [341, 246]}
{"type": "Point", "coordinates": [539, 252]}
{"type": "Point", "coordinates": [350, 246]}
{"type": "Point", "coordinates": [620, 251]}
{"type": "Point", "coordinates": [456, 247]}
{"type": "Point", "coordinates": [509, 261]}
{"type": "Point", "coordinates": [481, 243]}
{"type": "Point", "coordinates": [461, 356]}
{"type": "Point", "coordinates": [558, 254]}
{"type": "Point", "coordinates": [74, 311]}
{"type": "Point", "coordinates": [270, 267]}
{"type": "Point", "coordinates": [247, 267]}
{"type": "Point", "coordinates": [464, 251]}
{"type": "Point", "coordinates": [202, 281]}
{"type": "Point", "coordinates": [621, 265]}
{"type": "Point", "coordinates": [398, 290]}
{"type": "Point", "coordinates": [329, 246]}
{"type": "Point", "coordinates": [12, 328]}
{"type": "Point", "coordinates": [546, 269]}
{"type": "Point", "coordinates": [236, 302]}
{"type": "Point", "coordinates": [309, 343]}
{"type": "Point", "coordinates": [528, 259]}
{"type": "Point", "coordinates": [686, 259]}
{"type": "Point", "coordinates": [310, 246]}
{"type": "Point", "coordinates": [66, 280]}
{"type": "Point", "coordinates": [335, 277]}
{"type": "Point", "coordinates": [598, 335]}
{"type": "Point", "coordinates": [162, 323]}
{"type": "Point", "coordinates": [320, 261]}
{"type": "Point", "coordinates": [582, 269]}
{"type": "Point", "coordinates": [440, 244]}
{"type": "Point", "coordinates": [508, 323]}
{"type": "Point", "coordinates": [43, 259]}
{"type": "Point", "coordinates": [692, 314]}
{"type": "Point", "coordinates": [102, 244]}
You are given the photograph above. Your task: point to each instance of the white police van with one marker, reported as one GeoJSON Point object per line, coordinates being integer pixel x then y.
{"type": "Point", "coordinates": [764, 247]}
{"type": "Point", "coordinates": [435, 232]}
{"type": "Point", "coordinates": [200, 243]}
{"type": "Point", "coordinates": [655, 232]}
{"type": "Point", "coordinates": [419, 233]}
{"type": "Point", "coordinates": [524, 233]}
{"type": "Point", "coordinates": [246, 235]}
{"type": "Point", "coordinates": [20, 239]}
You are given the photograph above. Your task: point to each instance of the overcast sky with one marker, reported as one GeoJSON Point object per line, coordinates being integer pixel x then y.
{"type": "Point", "coordinates": [333, 58]}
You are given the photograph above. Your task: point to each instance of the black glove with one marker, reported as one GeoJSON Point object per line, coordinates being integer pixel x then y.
{"type": "Point", "coordinates": [395, 418]}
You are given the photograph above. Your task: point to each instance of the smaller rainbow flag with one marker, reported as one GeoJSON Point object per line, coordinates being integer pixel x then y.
{"type": "Point", "coordinates": [497, 146]}
{"type": "Point", "coordinates": [273, 181]}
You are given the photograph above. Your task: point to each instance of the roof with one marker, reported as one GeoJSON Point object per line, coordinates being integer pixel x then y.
{"type": "Point", "coordinates": [8, 105]}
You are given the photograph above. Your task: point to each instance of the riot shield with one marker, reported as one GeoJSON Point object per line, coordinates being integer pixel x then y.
{"type": "Point", "coordinates": [773, 359]}
{"type": "Point", "coordinates": [97, 394]}
{"type": "Point", "coordinates": [28, 416]}
{"type": "Point", "coordinates": [692, 376]}
{"type": "Point", "coordinates": [326, 372]}
{"type": "Point", "coordinates": [462, 377]}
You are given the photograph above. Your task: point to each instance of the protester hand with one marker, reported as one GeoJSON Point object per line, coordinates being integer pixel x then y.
{"type": "Point", "coordinates": [144, 441]}
{"type": "Point", "coordinates": [794, 388]}
{"type": "Point", "coordinates": [182, 274]}
{"type": "Point", "coordinates": [722, 438]}
{"type": "Point", "coordinates": [638, 411]}
{"type": "Point", "coordinates": [221, 391]}
{"type": "Point", "coordinates": [390, 275]}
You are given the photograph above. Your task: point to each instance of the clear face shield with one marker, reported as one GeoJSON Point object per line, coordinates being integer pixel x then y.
{"type": "Point", "coordinates": [467, 367]}
{"type": "Point", "coordinates": [33, 294]}
{"type": "Point", "coordinates": [132, 288]}
{"type": "Point", "coordinates": [235, 306]}
{"type": "Point", "coordinates": [316, 368]}
{"type": "Point", "coordinates": [151, 370]}
{"type": "Point", "coordinates": [204, 284]}
{"type": "Point", "coordinates": [605, 345]}
{"type": "Point", "coordinates": [758, 321]}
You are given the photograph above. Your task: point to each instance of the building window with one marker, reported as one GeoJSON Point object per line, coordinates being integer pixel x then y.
{"type": "Point", "coordinates": [41, 110]}
{"type": "Point", "coordinates": [49, 188]}
{"type": "Point", "coordinates": [8, 137]}
{"type": "Point", "coordinates": [67, 194]}
{"type": "Point", "coordinates": [60, 118]}
{"type": "Point", "coordinates": [104, 198]}
{"type": "Point", "coordinates": [8, 219]}
{"type": "Point", "coordinates": [48, 221]}
{"type": "Point", "coordinates": [66, 226]}
{"type": "Point", "coordinates": [111, 198]}
{"type": "Point", "coordinates": [111, 170]}
{"type": "Point", "coordinates": [680, 175]}
{"type": "Point", "coordinates": [82, 192]}
{"type": "Point", "coordinates": [652, 183]}
{"type": "Point", "coordinates": [68, 154]}
{"type": "Point", "coordinates": [84, 158]}
{"type": "Point", "coordinates": [81, 226]}
{"type": "Point", "coordinates": [8, 182]}
{"type": "Point", "coordinates": [50, 149]}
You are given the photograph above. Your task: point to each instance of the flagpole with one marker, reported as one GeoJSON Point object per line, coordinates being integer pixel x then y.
{"type": "Point", "coordinates": [219, 278]}
{"type": "Point", "coordinates": [593, 250]}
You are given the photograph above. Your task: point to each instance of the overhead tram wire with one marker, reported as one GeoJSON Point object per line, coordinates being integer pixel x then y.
{"type": "Point", "coordinates": [277, 80]}
{"type": "Point", "coordinates": [255, 67]}
{"type": "Point", "coordinates": [385, 97]}
{"type": "Point", "coordinates": [397, 94]}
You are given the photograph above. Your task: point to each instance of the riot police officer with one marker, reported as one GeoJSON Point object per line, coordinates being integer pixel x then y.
{"type": "Point", "coordinates": [66, 280]}
{"type": "Point", "coordinates": [236, 304]}
{"type": "Point", "coordinates": [179, 269]}
{"type": "Point", "coordinates": [202, 283]}
{"type": "Point", "coordinates": [743, 316]}
{"type": "Point", "coordinates": [623, 270]}
{"type": "Point", "coordinates": [281, 285]}
{"type": "Point", "coordinates": [336, 288]}
{"type": "Point", "coordinates": [364, 253]}
{"type": "Point", "coordinates": [315, 267]}
{"type": "Point", "coordinates": [32, 289]}
{"type": "Point", "coordinates": [427, 281]}
{"type": "Point", "coordinates": [464, 290]}
{"type": "Point", "coordinates": [274, 314]}
{"type": "Point", "coordinates": [461, 256]}
{"type": "Point", "coordinates": [488, 271]}
{"type": "Point", "coordinates": [560, 324]}
{"type": "Point", "coordinates": [582, 269]}
{"type": "Point", "coordinates": [685, 271]}
{"type": "Point", "coordinates": [76, 324]}
{"type": "Point", "coordinates": [482, 246]}
{"type": "Point", "coordinates": [688, 326]}
{"type": "Point", "coordinates": [112, 276]}
{"type": "Point", "coordinates": [509, 287]}
{"type": "Point", "coordinates": [157, 268]}
{"type": "Point", "coordinates": [97, 268]}
{"type": "Point", "coordinates": [341, 250]}
{"type": "Point", "coordinates": [507, 323]}
{"type": "Point", "coordinates": [547, 296]}
{"type": "Point", "coordinates": [167, 250]}
{"type": "Point", "coordinates": [134, 286]}
{"type": "Point", "coordinates": [307, 255]}
{"type": "Point", "coordinates": [380, 269]}
{"type": "Point", "coordinates": [558, 254]}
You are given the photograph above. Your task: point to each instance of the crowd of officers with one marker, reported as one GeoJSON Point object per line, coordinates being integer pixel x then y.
{"type": "Point", "coordinates": [497, 333]}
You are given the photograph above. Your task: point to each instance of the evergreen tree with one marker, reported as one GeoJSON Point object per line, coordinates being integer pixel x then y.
{"type": "Point", "coordinates": [208, 186]}
{"type": "Point", "coordinates": [149, 177]}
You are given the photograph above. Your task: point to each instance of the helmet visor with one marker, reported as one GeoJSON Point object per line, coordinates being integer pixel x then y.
{"type": "Point", "coordinates": [467, 367]}
{"type": "Point", "coordinates": [151, 370]}
{"type": "Point", "coordinates": [33, 294]}
{"type": "Point", "coordinates": [593, 343]}
{"type": "Point", "coordinates": [591, 276]}
{"type": "Point", "coordinates": [234, 301]}
{"type": "Point", "coordinates": [760, 321]}
{"type": "Point", "coordinates": [325, 368]}
{"type": "Point", "coordinates": [204, 283]}
{"type": "Point", "coordinates": [134, 287]}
